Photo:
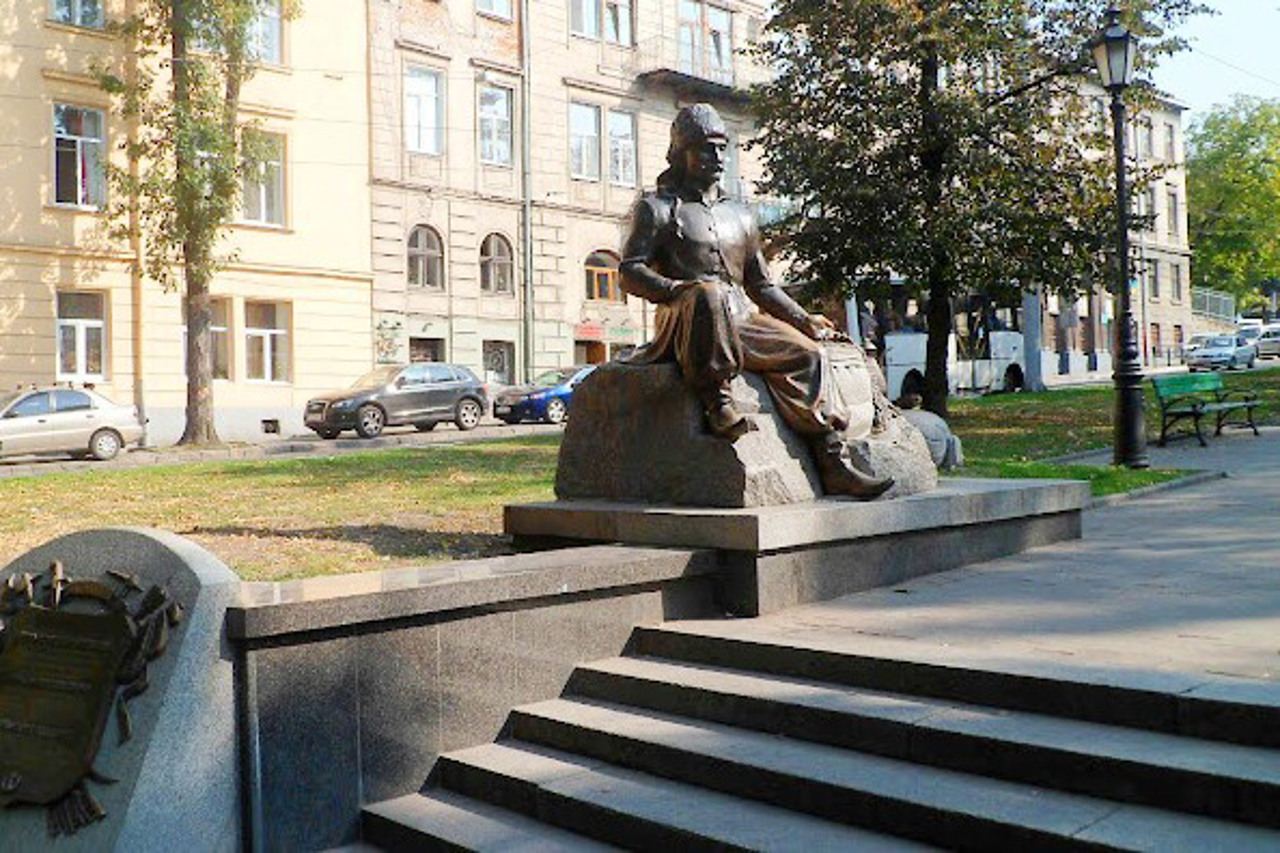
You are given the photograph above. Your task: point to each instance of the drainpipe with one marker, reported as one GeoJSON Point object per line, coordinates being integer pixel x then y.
{"type": "Point", "coordinates": [526, 181]}
{"type": "Point", "coordinates": [138, 249]}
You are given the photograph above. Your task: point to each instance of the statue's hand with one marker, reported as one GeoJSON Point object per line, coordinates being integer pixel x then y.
{"type": "Point", "coordinates": [822, 329]}
{"type": "Point", "coordinates": [680, 286]}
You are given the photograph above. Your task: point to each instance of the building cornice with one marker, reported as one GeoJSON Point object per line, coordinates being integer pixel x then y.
{"type": "Point", "coordinates": [600, 88]}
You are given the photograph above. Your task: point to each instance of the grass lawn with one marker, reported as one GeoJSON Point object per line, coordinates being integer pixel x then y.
{"type": "Point", "coordinates": [1005, 434]}
{"type": "Point", "coordinates": [290, 518]}
{"type": "Point", "coordinates": [282, 519]}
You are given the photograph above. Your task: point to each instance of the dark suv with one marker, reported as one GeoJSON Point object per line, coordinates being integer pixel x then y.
{"type": "Point", "coordinates": [422, 394]}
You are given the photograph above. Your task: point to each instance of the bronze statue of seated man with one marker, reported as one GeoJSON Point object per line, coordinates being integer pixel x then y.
{"type": "Point", "coordinates": [696, 254]}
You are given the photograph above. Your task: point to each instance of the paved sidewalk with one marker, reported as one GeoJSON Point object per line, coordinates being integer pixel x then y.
{"type": "Point", "coordinates": [274, 449]}
{"type": "Point", "coordinates": [1178, 589]}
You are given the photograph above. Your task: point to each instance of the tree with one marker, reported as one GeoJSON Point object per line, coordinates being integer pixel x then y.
{"type": "Point", "coordinates": [949, 142]}
{"type": "Point", "coordinates": [177, 88]}
{"type": "Point", "coordinates": [1233, 196]}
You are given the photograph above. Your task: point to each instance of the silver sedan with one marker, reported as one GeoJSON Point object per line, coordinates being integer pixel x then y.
{"type": "Point", "coordinates": [65, 420]}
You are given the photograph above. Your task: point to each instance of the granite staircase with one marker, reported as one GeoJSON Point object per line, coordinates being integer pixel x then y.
{"type": "Point", "coordinates": [702, 740]}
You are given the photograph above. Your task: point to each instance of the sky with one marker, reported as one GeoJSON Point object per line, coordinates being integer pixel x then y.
{"type": "Point", "coordinates": [1236, 51]}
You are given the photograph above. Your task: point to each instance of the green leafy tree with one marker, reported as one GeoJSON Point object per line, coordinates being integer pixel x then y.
{"type": "Point", "coordinates": [177, 88]}
{"type": "Point", "coordinates": [948, 142]}
{"type": "Point", "coordinates": [1233, 196]}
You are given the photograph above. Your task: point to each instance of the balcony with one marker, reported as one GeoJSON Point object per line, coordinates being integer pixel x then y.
{"type": "Point", "coordinates": [703, 71]}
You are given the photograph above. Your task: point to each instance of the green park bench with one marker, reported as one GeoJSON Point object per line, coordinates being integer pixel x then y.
{"type": "Point", "coordinates": [1191, 396]}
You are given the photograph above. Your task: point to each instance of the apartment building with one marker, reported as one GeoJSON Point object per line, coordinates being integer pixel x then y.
{"type": "Point", "coordinates": [1078, 336]}
{"type": "Point", "coordinates": [292, 312]}
{"type": "Point", "coordinates": [506, 154]}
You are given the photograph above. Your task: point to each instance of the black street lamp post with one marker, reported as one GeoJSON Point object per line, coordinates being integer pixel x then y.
{"type": "Point", "coordinates": [1114, 51]}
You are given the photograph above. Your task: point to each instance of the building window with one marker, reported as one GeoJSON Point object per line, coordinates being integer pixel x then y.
{"type": "Point", "coordinates": [1155, 339]}
{"type": "Point", "coordinates": [1153, 280]}
{"type": "Point", "coordinates": [497, 8]}
{"type": "Point", "coordinates": [81, 336]}
{"type": "Point", "coordinates": [1150, 197]}
{"type": "Point", "coordinates": [602, 278]}
{"type": "Point", "coordinates": [499, 362]}
{"type": "Point", "coordinates": [584, 141]}
{"type": "Point", "coordinates": [266, 34]}
{"type": "Point", "coordinates": [80, 13]}
{"type": "Point", "coordinates": [79, 179]}
{"type": "Point", "coordinates": [1175, 284]}
{"type": "Point", "coordinates": [495, 125]}
{"type": "Point", "coordinates": [1177, 338]}
{"type": "Point", "coordinates": [622, 148]}
{"type": "Point", "coordinates": [496, 265]}
{"type": "Point", "coordinates": [586, 18]}
{"type": "Point", "coordinates": [426, 258]}
{"type": "Point", "coordinates": [706, 41]}
{"type": "Point", "coordinates": [263, 200]}
{"type": "Point", "coordinates": [426, 349]}
{"type": "Point", "coordinates": [1170, 142]}
{"type": "Point", "coordinates": [1146, 138]}
{"type": "Point", "coordinates": [219, 337]}
{"type": "Point", "coordinates": [266, 341]}
{"type": "Point", "coordinates": [423, 111]}
{"type": "Point", "coordinates": [1172, 212]}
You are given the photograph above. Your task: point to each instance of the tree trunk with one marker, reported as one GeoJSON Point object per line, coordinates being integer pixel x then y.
{"type": "Point", "coordinates": [933, 153]}
{"type": "Point", "coordinates": [199, 429]}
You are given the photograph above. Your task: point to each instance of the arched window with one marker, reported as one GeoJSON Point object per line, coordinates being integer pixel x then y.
{"type": "Point", "coordinates": [602, 277]}
{"type": "Point", "coordinates": [426, 258]}
{"type": "Point", "coordinates": [496, 273]}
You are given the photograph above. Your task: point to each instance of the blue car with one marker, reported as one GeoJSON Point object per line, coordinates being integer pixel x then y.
{"type": "Point", "coordinates": [547, 399]}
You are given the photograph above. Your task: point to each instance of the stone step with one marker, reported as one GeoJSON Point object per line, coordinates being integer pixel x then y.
{"type": "Point", "coordinates": [637, 810]}
{"type": "Point", "coordinates": [1236, 712]}
{"type": "Point", "coordinates": [441, 820]}
{"type": "Point", "coordinates": [1132, 765]}
{"type": "Point", "coordinates": [927, 804]}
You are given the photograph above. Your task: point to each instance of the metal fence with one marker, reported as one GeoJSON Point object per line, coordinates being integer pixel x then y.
{"type": "Point", "coordinates": [1213, 303]}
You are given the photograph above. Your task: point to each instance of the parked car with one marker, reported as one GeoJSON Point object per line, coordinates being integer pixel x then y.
{"type": "Point", "coordinates": [1197, 340]}
{"type": "Point", "coordinates": [422, 394]}
{"type": "Point", "coordinates": [1225, 350]}
{"type": "Point", "coordinates": [546, 399]}
{"type": "Point", "coordinates": [1268, 343]}
{"type": "Point", "coordinates": [77, 421]}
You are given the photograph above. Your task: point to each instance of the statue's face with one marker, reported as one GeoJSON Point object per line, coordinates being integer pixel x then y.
{"type": "Point", "coordinates": [704, 161]}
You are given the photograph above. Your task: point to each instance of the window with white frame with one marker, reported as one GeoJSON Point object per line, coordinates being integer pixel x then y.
{"type": "Point", "coordinates": [617, 22]}
{"type": "Point", "coordinates": [607, 19]}
{"type": "Point", "coordinates": [705, 41]}
{"type": "Point", "coordinates": [1146, 138]}
{"type": "Point", "coordinates": [266, 341]}
{"type": "Point", "coordinates": [80, 13]}
{"type": "Point", "coordinates": [1153, 280]}
{"type": "Point", "coordinates": [81, 336]}
{"type": "Point", "coordinates": [495, 125]}
{"type": "Point", "coordinates": [423, 110]}
{"type": "Point", "coordinates": [1175, 281]}
{"type": "Point", "coordinates": [498, 8]}
{"type": "Point", "coordinates": [584, 141]}
{"type": "Point", "coordinates": [78, 174]}
{"type": "Point", "coordinates": [1172, 213]}
{"type": "Point", "coordinates": [219, 337]}
{"type": "Point", "coordinates": [496, 265]}
{"type": "Point", "coordinates": [1170, 142]}
{"type": "Point", "coordinates": [425, 258]}
{"type": "Point", "coordinates": [622, 148]}
{"type": "Point", "coordinates": [263, 199]}
{"type": "Point", "coordinates": [266, 34]}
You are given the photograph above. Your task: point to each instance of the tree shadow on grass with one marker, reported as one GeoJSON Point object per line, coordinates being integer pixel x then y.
{"type": "Point", "coordinates": [386, 540]}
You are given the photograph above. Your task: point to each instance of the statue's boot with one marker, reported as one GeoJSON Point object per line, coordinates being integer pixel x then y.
{"type": "Point", "coordinates": [839, 476]}
{"type": "Point", "coordinates": [723, 418]}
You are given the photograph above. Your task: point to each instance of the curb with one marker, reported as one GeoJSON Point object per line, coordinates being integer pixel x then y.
{"type": "Point", "coordinates": [1192, 479]}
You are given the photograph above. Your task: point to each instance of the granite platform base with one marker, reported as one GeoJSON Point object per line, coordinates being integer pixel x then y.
{"type": "Point", "coordinates": [778, 557]}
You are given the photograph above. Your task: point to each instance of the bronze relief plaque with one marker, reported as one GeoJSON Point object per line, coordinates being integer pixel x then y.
{"type": "Point", "coordinates": [58, 672]}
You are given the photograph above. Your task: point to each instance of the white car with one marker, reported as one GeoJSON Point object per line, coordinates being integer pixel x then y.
{"type": "Point", "coordinates": [77, 421]}
{"type": "Point", "coordinates": [1222, 351]}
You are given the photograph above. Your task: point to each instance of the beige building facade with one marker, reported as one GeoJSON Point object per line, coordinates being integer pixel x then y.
{"type": "Point", "coordinates": [506, 158]}
{"type": "Point", "coordinates": [292, 312]}
{"type": "Point", "coordinates": [1078, 337]}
